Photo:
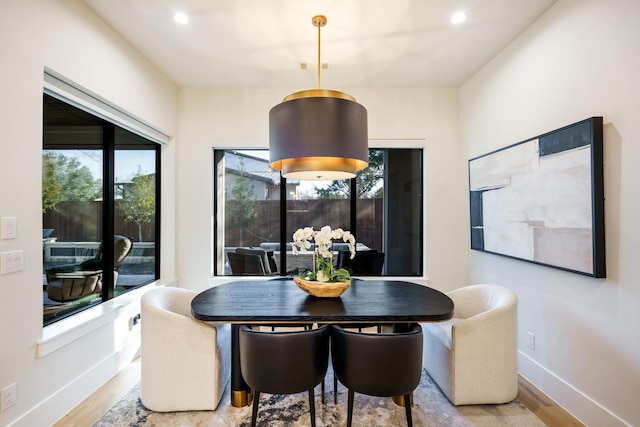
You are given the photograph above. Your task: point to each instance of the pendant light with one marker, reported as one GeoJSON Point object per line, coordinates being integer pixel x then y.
{"type": "Point", "coordinates": [318, 134]}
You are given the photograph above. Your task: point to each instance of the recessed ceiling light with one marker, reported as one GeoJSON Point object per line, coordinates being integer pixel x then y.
{"type": "Point", "coordinates": [458, 17]}
{"type": "Point", "coordinates": [181, 18]}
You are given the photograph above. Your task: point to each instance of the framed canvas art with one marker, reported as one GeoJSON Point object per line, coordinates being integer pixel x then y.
{"type": "Point", "coordinates": [542, 200]}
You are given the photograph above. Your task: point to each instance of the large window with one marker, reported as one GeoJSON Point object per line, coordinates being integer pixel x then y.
{"type": "Point", "coordinates": [100, 219]}
{"type": "Point", "coordinates": [257, 213]}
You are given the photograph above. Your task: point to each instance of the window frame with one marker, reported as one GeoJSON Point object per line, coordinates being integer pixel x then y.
{"type": "Point", "coordinates": [111, 117]}
{"type": "Point", "coordinates": [393, 144]}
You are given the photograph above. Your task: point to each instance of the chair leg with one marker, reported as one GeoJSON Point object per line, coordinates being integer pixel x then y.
{"type": "Point", "coordinates": [335, 389]}
{"type": "Point", "coordinates": [350, 408]}
{"type": "Point", "coordinates": [312, 407]}
{"type": "Point", "coordinates": [407, 407]}
{"type": "Point", "coordinates": [322, 392]}
{"type": "Point", "coordinates": [254, 412]}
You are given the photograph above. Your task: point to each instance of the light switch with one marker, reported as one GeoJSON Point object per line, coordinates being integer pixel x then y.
{"type": "Point", "coordinates": [8, 228]}
{"type": "Point", "coordinates": [18, 260]}
{"type": "Point", "coordinates": [11, 261]}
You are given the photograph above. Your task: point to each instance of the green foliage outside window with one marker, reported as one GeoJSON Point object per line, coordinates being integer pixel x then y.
{"type": "Point", "coordinates": [241, 203]}
{"type": "Point", "coordinates": [366, 181]}
{"type": "Point", "coordinates": [66, 179]}
{"type": "Point", "coordinates": [139, 201]}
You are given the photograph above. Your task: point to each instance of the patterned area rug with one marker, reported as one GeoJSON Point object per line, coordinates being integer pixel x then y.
{"type": "Point", "coordinates": [430, 409]}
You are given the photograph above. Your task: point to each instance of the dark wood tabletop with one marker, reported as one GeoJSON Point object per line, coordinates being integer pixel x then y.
{"type": "Point", "coordinates": [281, 301]}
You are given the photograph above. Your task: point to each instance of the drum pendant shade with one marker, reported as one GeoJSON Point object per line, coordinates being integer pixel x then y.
{"type": "Point", "coordinates": [318, 134]}
{"type": "Point", "coordinates": [318, 138]}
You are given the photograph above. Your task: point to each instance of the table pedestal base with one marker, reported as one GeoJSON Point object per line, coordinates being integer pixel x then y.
{"type": "Point", "coordinates": [240, 399]}
{"type": "Point", "coordinates": [399, 400]}
{"type": "Point", "coordinates": [240, 391]}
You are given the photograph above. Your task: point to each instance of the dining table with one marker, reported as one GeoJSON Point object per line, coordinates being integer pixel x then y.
{"type": "Point", "coordinates": [280, 301]}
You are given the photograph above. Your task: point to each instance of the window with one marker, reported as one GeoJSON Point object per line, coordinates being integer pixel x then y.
{"type": "Point", "coordinates": [257, 213]}
{"type": "Point", "coordinates": [98, 180]}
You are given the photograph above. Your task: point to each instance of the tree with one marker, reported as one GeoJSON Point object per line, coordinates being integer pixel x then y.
{"type": "Point", "coordinates": [366, 181]}
{"type": "Point", "coordinates": [66, 179]}
{"type": "Point", "coordinates": [241, 208]}
{"type": "Point", "coordinates": [139, 200]}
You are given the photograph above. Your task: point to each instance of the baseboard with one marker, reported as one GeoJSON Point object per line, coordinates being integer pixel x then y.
{"type": "Point", "coordinates": [63, 400]}
{"type": "Point", "coordinates": [576, 403]}
{"type": "Point", "coordinates": [112, 322]}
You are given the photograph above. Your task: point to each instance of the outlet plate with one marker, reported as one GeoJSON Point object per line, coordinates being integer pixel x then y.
{"type": "Point", "coordinates": [11, 261]}
{"type": "Point", "coordinates": [531, 340]}
{"type": "Point", "coordinates": [8, 397]}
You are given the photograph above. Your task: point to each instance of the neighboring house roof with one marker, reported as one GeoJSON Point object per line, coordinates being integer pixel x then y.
{"type": "Point", "coordinates": [256, 168]}
{"type": "Point", "coordinates": [270, 177]}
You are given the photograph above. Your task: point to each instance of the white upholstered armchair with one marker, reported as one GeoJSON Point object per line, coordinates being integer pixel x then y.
{"type": "Point", "coordinates": [473, 356]}
{"type": "Point", "coordinates": [185, 364]}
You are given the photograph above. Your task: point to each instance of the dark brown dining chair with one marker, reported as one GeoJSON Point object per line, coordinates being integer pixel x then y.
{"type": "Point", "coordinates": [385, 364]}
{"type": "Point", "coordinates": [365, 263]}
{"type": "Point", "coordinates": [283, 363]}
{"type": "Point", "coordinates": [247, 264]}
{"type": "Point", "coordinates": [268, 260]}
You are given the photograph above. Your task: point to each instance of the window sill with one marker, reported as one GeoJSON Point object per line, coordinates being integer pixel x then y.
{"type": "Point", "coordinates": [68, 330]}
{"type": "Point", "coordinates": [218, 280]}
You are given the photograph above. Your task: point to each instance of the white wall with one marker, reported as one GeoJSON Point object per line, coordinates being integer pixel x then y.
{"type": "Point", "coordinates": [240, 118]}
{"type": "Point", "coordinates": [68, 38]}
{"type": "Point", "coordinates": [581, 59]}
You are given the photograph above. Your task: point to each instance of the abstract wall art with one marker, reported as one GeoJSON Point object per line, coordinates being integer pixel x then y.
{"type": "Point", "coordinates": [542, 200]}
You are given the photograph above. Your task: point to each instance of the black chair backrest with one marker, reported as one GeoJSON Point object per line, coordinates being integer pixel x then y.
{"type": "Point", "coordinates": [387, 364]}
{"type": "Point", "coordinates": [267, 258]}
{"type": "Point", "coordinates": [245, 264]}
{"type": "Point", "coordinates": [365, 263]}
{"type": "Point", "coordinates": [284, 362]}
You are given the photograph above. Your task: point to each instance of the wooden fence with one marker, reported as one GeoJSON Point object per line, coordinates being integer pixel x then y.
{"type": "Point", "coordinates": [82, 222]}
{"type": "Point", "coordinates": [308, 213]}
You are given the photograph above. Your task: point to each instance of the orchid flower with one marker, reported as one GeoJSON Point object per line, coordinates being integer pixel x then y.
{"type": "Point", "coordinates": [323, 270]}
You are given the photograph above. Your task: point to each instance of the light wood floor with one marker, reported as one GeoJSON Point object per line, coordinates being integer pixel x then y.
{"type": "Point", "coordinates": [543, 407]}
{"type": "Point", "coordinates": [93, 407]}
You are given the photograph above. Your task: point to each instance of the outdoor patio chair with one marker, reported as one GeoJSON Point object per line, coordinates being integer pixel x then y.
{"type": "Point", "coordinates": [72, 281]}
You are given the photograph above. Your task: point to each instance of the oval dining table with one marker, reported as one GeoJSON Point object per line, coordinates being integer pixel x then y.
{"type": "Point", "coordinates": [280, 301]}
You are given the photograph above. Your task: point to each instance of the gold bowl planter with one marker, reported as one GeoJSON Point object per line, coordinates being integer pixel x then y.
{"type": "Point", "coordinates": [322, 289]}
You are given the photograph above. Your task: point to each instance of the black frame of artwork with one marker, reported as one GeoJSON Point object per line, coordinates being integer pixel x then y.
{"type": "Point", "coordinates": [529, 201]}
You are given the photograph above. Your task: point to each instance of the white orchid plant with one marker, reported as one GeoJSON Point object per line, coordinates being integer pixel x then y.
{"type": "Point", "coordinates": [323, 270]}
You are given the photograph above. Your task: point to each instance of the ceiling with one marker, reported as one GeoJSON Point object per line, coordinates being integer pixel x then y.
{"type": "Point", "coordinates": [366, 43]}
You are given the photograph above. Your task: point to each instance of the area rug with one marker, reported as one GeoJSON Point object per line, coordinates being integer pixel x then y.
{"type": "Point", "coordinates": [430, 409]}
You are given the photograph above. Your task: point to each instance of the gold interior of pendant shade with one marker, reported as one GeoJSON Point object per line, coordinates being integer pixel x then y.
{"type": "Point", "coordinates": [318, 134]}
{"type": "Point", "coordinates": [321, 168]}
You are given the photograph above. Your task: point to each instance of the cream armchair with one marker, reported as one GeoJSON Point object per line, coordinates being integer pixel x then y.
{"type": "Point", "coordinates": [473, 356]}
{"type": "Point", "coordinates": [185, 364]}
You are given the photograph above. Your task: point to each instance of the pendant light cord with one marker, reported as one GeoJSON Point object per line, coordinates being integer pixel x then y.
{"type": "Point", "coordinates": [319, 26]}
{"type": "Point", "coordinates": [319, 21]}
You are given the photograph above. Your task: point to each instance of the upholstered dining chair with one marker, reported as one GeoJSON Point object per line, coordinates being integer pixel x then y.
{"type": "Point", "coordinates": [473, 356]}
{"type": "Point", "coordinates": [268, 260]}
{"type": "Point", "coordinates": [385, 364]}
{"type": "Point", "coordinates": [72, 281]}
{"type": "Point", "coordinates": [185, 363]}
{"type": "Point", "coordinates": [243, 264]}
{"type": "Point", "coordinates": [365, 263]}
{"type": "Point", "coordinates": [283, 363]}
